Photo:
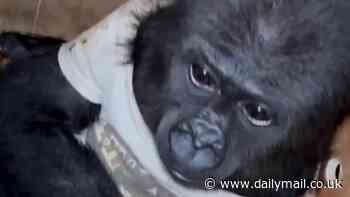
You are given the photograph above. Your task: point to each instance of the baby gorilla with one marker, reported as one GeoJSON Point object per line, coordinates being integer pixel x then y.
{"type": "Point", "coordinates": [241, 90]}
{"type": "Point", "coordinates": [244, 89]}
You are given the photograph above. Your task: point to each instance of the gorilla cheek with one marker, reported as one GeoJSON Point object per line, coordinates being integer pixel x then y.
{"type": "Point", "coordinates": [162, 137]}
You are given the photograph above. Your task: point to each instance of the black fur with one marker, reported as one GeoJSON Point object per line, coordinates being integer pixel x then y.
{"type": "Point", "coordinates": [40, 112]}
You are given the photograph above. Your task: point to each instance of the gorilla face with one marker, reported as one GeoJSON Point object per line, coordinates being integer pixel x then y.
{"type": "Point", "coordinates": [244, 89]}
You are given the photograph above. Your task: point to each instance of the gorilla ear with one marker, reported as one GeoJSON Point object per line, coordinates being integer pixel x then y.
{"type": "Point", "coordinates": [338, 167]}
{"type": "Point", "coordinates": [333, 170]}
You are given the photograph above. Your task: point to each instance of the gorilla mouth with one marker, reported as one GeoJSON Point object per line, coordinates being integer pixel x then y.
{"type": "Point", "coordinates": [191, 149]}
{"type": "Point", "coordinates": [191, 155]}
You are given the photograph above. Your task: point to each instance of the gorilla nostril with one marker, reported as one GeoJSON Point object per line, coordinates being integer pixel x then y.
{"type": "Point", "coordinates": [207, 135]}
{"type": "Point", "coordinates": [210, 139]}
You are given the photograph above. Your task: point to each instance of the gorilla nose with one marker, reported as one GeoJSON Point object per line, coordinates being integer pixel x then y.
{"type": "Point", "coordinates": [206, 135]}
{"type": "Point", "coordinates": [197, 144]}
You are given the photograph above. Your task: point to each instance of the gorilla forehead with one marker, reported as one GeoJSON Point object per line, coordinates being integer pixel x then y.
{"type": "Point", "coordinates": [270, 44]}
{"type": "Point", "coordinates": [271, 32]}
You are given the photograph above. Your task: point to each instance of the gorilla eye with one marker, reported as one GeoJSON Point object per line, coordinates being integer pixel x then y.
{"type": "Point", "coordinates": [257, 114]}
{"type": "Point", "coordinates": [202, 78]}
